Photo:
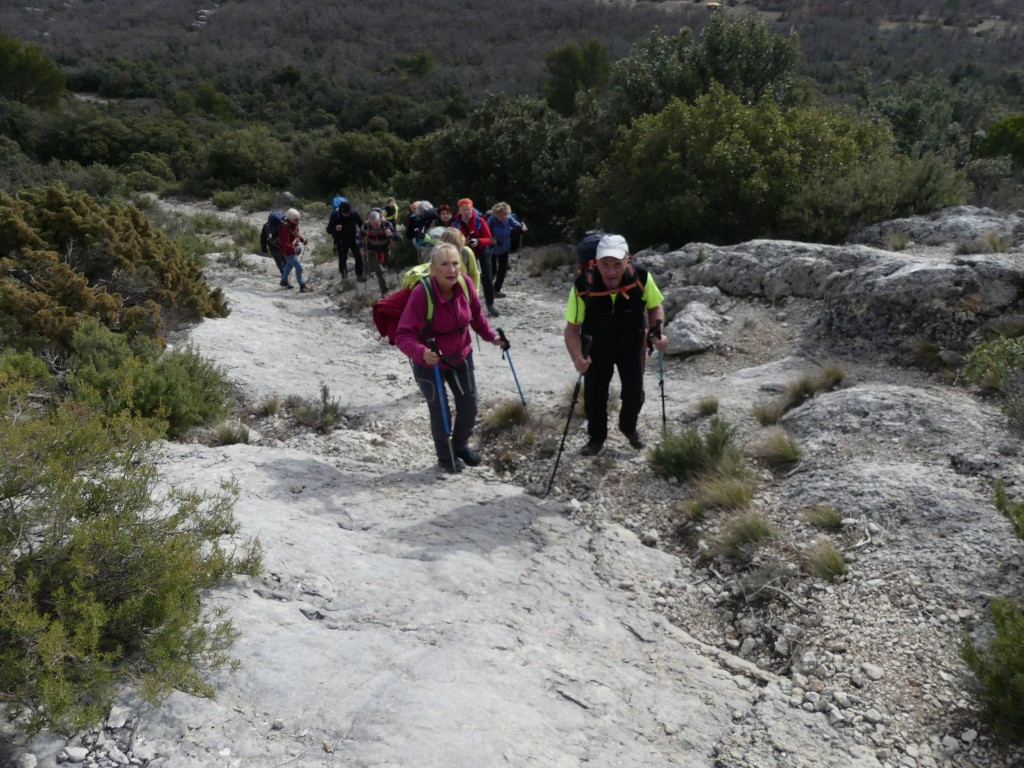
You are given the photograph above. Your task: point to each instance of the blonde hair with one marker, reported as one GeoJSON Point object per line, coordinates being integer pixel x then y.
{"type": "Point", "coordinates": [500, 208]}
{"type": "Point", "coordinates": [438, 253]}
{"type": "Point", "coordinates": [453, 236]}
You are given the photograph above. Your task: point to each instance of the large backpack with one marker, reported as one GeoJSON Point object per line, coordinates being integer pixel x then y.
{"type": "Point", "coordinates": [388, 310]}
{"type": "Point", "coordinates": [273, 226]}
{"type": "Point", "coordinates": [586, 250]}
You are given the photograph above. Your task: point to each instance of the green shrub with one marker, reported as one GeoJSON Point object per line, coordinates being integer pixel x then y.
{"type": "Point", "coordinates": [226, 199]}
{"type": "Point", "coordinates": [688, 454]}
{"type": "Point", "coordinates": [179, 389]}
{"type": "Point", "coordinates": [999, 666]}
{"type": "Point", "coordinates": [322, 416]}
{"type": "Point", "coordinates": [744, 534]}
{"type": "Point", "coordinates": [995, 362]}
{"type": "Point", "coordinates": [231, 433]}
{"type": "Point", "coordinates": [100, 577]}
{"type": "Point", "coordinates": [896, 241]}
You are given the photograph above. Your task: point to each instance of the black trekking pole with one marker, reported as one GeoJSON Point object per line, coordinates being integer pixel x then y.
{"type": "Point", "coordinates": [585, 350]}
{"type": "Point", "coordinates": [443, 400]}
{"type": "Point", "coordinates": [655, 333]}
{"type": "Point", "coordinates": [504, 351]}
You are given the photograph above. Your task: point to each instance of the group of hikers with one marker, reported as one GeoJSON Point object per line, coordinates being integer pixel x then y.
{"type": "Point", "coordinates": [613, 314]}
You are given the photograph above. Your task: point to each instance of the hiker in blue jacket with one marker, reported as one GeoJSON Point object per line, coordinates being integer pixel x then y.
{"type": "Point", "coordinates": [503, 223]}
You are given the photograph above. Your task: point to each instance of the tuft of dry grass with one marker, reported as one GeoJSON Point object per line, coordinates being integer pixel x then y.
{"type": "Point", "coordinates": [776, 448]}
{"type": "Point", "coordinates": [768, 414]}
{"type": "Point", "coordinates": [824, 516]}
{"type": "Point", "coordinates": [824, 561]}
{"type": "Point", "coordinates": [707, 406]}
{"type": "Point", "coordinates": [727, 491]}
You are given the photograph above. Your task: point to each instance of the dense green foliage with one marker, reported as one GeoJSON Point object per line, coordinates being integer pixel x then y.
{"type": "Point", "coordinates": [575, 159]}
{"type": "Point", "coordinates": [70, 258]}
{"type": "Point", "coordinates": [28, 75]}
{"type": "Point", "coordinates": [98, 572]}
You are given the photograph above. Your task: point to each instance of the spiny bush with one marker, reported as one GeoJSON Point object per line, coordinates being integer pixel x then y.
{"type": "Point", "coordinates": [687, 454]}
{"type": "Point", "coordinates": [68, 257]}
{"type": "Point", "coordinates": [100, 575]}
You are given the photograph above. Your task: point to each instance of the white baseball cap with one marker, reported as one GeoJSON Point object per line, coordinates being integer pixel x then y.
{"type": "Point", "coordinates": [613, 247]}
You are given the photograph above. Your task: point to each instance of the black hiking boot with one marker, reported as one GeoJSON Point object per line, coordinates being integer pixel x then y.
{"type": "Point", "coordinates": [492, 312]}
{"type": "Point", "coordinates": [636, 441]}
{"type": "Point", "coordinates": [305, 289]}
{"type": "Point", "coordinates": [498, 294]}
{"type": "Point", "coordinates": [446, 465]}
{"type": "Point", "coordinates": [286, 284]}
{"type": "Point", "coordinates": [469, 456]}
{"type": "Point", "coordinates": [592, 448]}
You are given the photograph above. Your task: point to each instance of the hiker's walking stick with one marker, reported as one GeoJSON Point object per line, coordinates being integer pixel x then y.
{"type": "Point", "coordinates": [575, 397]}
{"type": "Point", "coordinates": [656, 334]}
{"type": "Point", "coordinates": [504, 351]}
{"type": "Point", "coordinates": [442, 398]}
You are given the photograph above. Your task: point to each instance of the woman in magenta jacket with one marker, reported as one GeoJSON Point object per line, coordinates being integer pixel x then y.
{"type": "Point", "coordinates": [456, 310]}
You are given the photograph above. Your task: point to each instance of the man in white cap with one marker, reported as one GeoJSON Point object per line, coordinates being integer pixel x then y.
{"type": "Point", "coordinates": [613, 302]}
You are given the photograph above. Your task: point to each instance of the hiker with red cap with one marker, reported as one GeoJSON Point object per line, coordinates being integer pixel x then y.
{"type": "Point", "coordinates": [478, 237]}
{"type": "Point", "coordinates": [613, 303]}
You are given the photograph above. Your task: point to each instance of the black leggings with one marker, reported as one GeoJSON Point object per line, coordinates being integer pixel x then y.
{"type": "Point", "coordinates": [499, 262]}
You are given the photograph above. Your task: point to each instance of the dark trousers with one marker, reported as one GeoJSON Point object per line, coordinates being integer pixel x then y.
{"type": "Point", "coordinates": [462, 383]}
{"type": "Point", "coordinates": [275, 251]}
{"type": "Point", "coordinates": [343, 249]}
{"type": "Point", "coordinates": [486, 276]}
{"type": "Point", "coordinates": [597, 380]}
{"type": "Point", "coordinates": [499, 262]}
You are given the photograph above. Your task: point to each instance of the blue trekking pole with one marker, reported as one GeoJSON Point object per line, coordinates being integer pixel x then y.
{"type": "Point", "coordinates": [504, 351]}
{"type": "Point", "coordinates": [443, 400]}
{"type": "Point", "coordinates": [585, 349]}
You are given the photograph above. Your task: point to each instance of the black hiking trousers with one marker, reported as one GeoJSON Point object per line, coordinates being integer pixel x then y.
{"type": "Point", "coordinates": [344, 247]}
{"type": "Point", "coordinates": [597, 382]}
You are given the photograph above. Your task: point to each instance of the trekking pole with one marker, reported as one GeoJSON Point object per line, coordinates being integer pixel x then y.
{"type": "Point", "coordinates": [504, 351]}
{"type": "Point", "coordinates": [661, 376]}
{"type": "Point", "coordinates": [442, 398]}
{"type": "Point", "coordinates": [575, 397]}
